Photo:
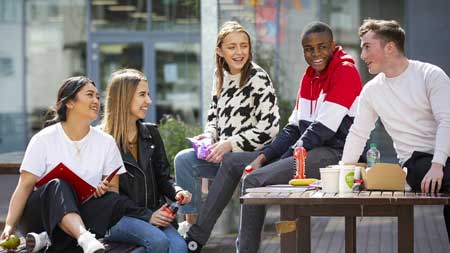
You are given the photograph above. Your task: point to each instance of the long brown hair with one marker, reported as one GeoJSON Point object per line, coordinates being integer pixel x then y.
{"type": "Point", "coordinates": [119, 94]}
{"type": "Point", "coordinates": [227, 28]}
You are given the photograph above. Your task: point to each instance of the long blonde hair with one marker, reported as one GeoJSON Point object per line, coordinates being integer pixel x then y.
{"type": "Point", "coordinates": [227, 28]}
{"type": "Point", "coordinates": [119, 93]}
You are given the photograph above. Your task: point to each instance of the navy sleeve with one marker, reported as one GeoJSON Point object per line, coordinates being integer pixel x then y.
{"type": "Point", "coordinates": [315, 135]}
{"type": "Point", "coordinates": [285, 139]}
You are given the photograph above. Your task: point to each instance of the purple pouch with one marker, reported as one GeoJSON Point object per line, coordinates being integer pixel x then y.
{"type": "Point", "coordinates": [201, 147]}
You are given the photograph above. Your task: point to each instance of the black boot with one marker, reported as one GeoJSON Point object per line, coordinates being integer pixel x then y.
{"type": "Point", "coordinates": [192, 245]}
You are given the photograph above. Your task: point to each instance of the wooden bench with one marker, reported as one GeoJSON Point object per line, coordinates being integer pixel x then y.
{"type": "Point", "coordinates": [10, 162]}
{"type": "Point", "coordinates": [298, 204]}
{"type": "Point", "coordinates": [110, 247]}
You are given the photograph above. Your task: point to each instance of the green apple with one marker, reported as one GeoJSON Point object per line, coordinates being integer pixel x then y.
{"type": "Point", "coordinates": [349, 178]}
{"type": "Point", "coordinates": [11, 243]}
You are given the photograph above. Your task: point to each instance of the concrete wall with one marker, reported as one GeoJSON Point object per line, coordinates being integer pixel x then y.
{"type": "Point", "coordinates": [428, 31]}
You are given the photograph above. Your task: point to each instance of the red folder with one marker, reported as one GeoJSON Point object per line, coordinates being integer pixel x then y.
{"type": "Point", "coordinates": [82, 188]}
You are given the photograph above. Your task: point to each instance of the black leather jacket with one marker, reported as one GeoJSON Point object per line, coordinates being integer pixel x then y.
{"type": "Point", "coordinates": [148, 180]}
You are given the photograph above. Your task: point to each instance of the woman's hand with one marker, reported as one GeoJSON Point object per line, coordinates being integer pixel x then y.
{"type": "Point", "coordinates": [218, 150]}
{"type": "Point", "coordinates": [102, 188]}
{"type": "Point", "coordinates": [18, 201]}
{"type": "Point", "coordinates": [7, 231]}
{"type": "Point", "coordinates": [184, 197]}
{"type": "Point", "coordinates": [160, 218]}
{"type": "Point", "coordinates": [202, 136]}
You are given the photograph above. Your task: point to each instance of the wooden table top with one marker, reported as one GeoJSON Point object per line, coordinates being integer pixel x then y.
{"type": "Point", "coordinates": [294, 195]}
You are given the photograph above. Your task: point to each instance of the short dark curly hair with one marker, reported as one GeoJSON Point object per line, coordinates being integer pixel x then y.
{"type": "Point", "coordinates": [316, 27]}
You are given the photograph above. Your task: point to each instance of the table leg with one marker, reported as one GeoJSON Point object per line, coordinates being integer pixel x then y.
{"type": "Point", "coordinates": [405, 229]}
{"type": "Point", "coordinates": [350, 234]}
{"type": "Point", "coordinates": [304, 234]}
{"type": "Point", "coordinates": [288, 241]}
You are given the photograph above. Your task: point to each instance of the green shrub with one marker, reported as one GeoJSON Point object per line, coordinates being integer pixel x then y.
{"type": "Point", "coordinates": [285, 107]}
{"type": "Point", "coordinates": [174, 132]}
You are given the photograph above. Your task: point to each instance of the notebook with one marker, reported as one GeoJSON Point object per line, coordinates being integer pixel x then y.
{"type": "Point", "coordinates": [83, 189]}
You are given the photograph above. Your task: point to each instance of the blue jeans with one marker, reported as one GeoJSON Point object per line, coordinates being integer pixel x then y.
{"type": "Point", "coordinates": [151, 238]}
{"type": "Point", "coordinates": [188, 170]}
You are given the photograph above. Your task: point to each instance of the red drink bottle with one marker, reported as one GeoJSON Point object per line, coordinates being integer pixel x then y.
{"type": "Point", "coordinates": [300, 157]}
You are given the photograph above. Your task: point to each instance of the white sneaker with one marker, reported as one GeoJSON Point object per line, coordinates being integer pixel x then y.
{"type": "Point", "coordinates": [183, 227]}
{"type": "Point", "coordinates": [89, 244]}
{"type": "Point", "coordinates": [35, 242]}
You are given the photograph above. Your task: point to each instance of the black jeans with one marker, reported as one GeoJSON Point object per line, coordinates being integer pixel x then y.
{"type": "Point", "coordinates": [418, 166]}
{"type": "Point", "coordinates": [278, 172]}
{"type": "Point", "coordinates": [46, 207]}
{"type": "Point", "coordinates": [228, 178]}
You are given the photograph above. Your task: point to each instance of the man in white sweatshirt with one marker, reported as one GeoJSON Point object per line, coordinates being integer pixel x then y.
{"type": "Point", "coordinates": [411, 98]}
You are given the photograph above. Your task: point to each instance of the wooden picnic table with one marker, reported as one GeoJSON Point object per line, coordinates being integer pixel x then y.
{"type": "Point", "coordinates": [300, 204]}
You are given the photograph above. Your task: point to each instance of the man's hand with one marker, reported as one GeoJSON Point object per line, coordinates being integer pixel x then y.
{"type": "Point", "coordinates": [160, 218]}
{"type": "Point", "coordinates": [218, 150]}
{"type": "Point", "coordinates": [432, 181]}
{"type": "Point", "coordinates": [259, 161]}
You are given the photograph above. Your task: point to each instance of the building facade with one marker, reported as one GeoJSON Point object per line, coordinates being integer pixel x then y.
{"type": "Point", "coordinates": [172, 42]}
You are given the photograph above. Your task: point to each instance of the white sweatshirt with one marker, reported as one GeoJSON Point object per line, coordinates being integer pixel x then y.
{"type": "Point", "coordinates": [414, 108]}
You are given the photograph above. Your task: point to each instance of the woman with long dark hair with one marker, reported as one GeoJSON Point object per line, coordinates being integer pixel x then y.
{"type": "Point", "coordinates": [53, 213]}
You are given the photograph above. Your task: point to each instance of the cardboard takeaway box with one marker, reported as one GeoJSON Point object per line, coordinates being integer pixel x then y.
{"type": "Point", "coordinates": [384, 176]}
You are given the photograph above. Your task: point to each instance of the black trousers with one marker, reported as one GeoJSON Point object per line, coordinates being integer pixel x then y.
{"type": "Point", "coordinates": [418, 166]}
{"type": "Point", "coordinates": [46, 207]}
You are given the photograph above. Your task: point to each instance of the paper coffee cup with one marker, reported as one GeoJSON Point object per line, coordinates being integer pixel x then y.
{"type": "Point", "coordinates": [346, 178]}
{"type": "Point", "coordinates": [329, 178]}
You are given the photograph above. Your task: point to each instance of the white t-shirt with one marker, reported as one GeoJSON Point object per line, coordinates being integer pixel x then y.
{"type": "Point", "coordinates": [90, 158]}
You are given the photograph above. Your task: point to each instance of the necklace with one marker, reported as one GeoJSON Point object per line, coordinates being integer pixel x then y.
{"type": "Point", "coordinates": [78, 147]}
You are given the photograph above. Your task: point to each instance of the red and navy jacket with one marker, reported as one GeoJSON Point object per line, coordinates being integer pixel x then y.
{"type": "Point", "coordinates": [324, 110]}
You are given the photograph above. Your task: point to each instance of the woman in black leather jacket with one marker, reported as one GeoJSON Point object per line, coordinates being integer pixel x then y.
{"type": "Point", "coordinates": [147, 181]}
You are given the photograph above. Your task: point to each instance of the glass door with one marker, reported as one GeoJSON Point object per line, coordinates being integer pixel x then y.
{"type": "Point", "coordinates": [113, 57]}
{"type": "Point", "coordinates": [177, 80]}
{"type": "Point", "coordinates": [160, 38]}
{"type": "Point", "coordinates": [108, 56]}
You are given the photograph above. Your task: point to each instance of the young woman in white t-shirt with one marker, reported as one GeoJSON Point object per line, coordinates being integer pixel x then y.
{"type": "Point", "coordinates": [52, 210]}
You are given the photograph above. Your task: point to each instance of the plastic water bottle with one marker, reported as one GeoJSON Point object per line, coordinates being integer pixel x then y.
{"type": "Point", "coordinates": [373, 155]}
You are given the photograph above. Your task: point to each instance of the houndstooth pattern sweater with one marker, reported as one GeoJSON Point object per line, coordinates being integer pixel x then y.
{"type": "Point", "coordinates": [247, 116]}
